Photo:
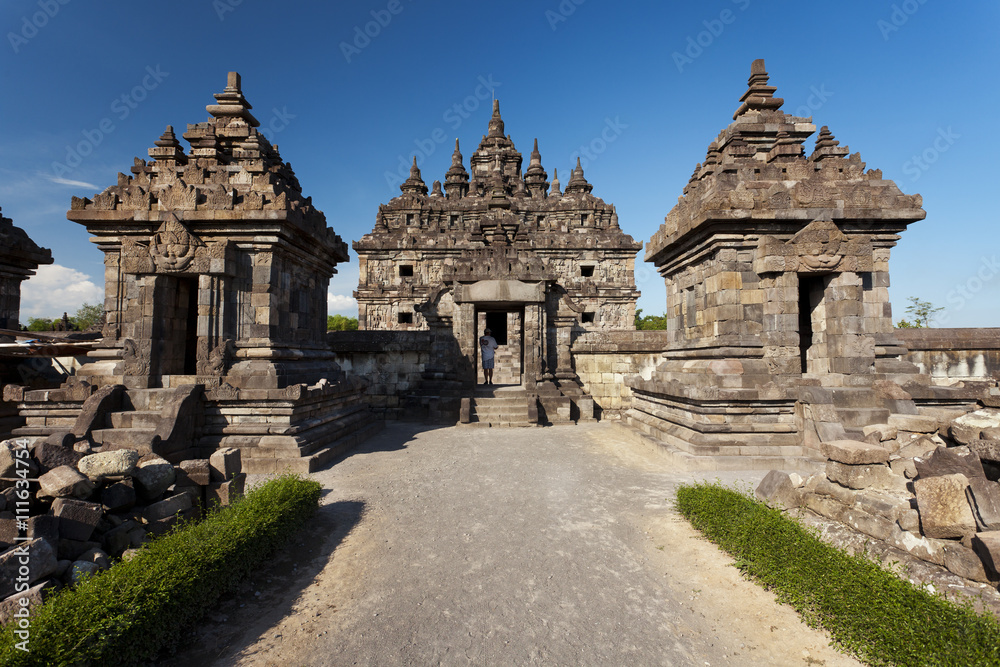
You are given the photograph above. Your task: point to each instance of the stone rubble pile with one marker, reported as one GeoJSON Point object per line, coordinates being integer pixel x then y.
{"type": "Point", "coordinates": [87, 510]}
{"type": "Point", "coordinates": [924, 484]}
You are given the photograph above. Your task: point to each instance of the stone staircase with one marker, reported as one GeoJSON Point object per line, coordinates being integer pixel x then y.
{"type": "Point", "coordinates": [134, 426]}
{"type": "Point", "coordinates": [501, 406]}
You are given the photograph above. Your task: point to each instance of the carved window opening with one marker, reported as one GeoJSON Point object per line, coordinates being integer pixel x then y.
{"type": "Point", "coordinates": [404, 318]}
{"type": "Point", "coordinates": [406, 270]}
{"type": "Point", "coordinates": [587, 271]}
{"type": "Point", "coordinates": [409, 219]}
{"type": "Point", "coordinates": [453, 221]}
{"type": "Point", "coordinates": [867, 283]}
{"type": "Point", "coordinates": [541, 222]}
{"type": "Point", "coordinates": [587, 317]}
{"type": "Point", "coordinates": [584, 219]}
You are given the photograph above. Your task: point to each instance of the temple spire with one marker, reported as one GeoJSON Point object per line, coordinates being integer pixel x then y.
{"type": "Point", "coordinates": [759, 95]}
{"type": "Point", "coordinates": [535, 176]}
{"type": "Point", "coordinates": [167, 148]}
{"type": "Point", "coordinates": [496, 122]}
{"type": "Point", "coordinates": [456, 181]}
{"type": "Point", "coordinates": [577, 182]}
{"type": "Point", "coordinates": [414, 184]}
{"type": "Point", "coordinates": [555, 183]}
{"type": "Point", "coordinates": [827, 146]}
{"type": "Point", "coordinates": [231, 103]}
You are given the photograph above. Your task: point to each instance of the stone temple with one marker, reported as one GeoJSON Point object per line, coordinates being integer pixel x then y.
{"type": "Point", "coordinates": [776, 263]}
{"type": "Point", "coordinates": [503, 249]}
{"type": "Point", "coordinates": [216, 275]}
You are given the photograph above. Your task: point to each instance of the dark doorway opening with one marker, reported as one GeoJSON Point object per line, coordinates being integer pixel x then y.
{"type": "Point", "coordinates": [191, 328]}
{"type": "Point", "coordinates": [497, 324]}
{"type": "Point", "coordinates": [175, 327]}
{"type": "Point", "coordinates": [810, 295]}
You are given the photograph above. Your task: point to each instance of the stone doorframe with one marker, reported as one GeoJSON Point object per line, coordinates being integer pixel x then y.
{"type": "Point", "coordinates": [503, 294]}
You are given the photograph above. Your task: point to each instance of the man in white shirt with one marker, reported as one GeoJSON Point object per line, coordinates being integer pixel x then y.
{"type": "Point", "coordinates": [487, 347]}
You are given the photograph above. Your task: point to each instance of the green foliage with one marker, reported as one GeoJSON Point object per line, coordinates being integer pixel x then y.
{"type": "Point", "coordinates": [921, 313]}
{"type": "Point", "coordinates": [88, 315]}
{"type": "Point", "coordinates": [341, 323]}
{"type": "Point", "coordinates": [870, 612]}
{"type": "Point", "coordinates": [649, 322]}
{"type": "Point", "coordinates": [127, 614]}
{"type": "Point", "coordinates": [39, 324]}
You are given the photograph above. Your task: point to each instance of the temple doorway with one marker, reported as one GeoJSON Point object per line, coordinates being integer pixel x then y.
{"type": "Point", "coordinates": [507, 327]}
{"type": "Point", "coordinates": [812, 324]}
{"type": "Point", "coordinates": [175, 327]}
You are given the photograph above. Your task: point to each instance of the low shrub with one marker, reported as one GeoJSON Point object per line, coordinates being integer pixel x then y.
{"type": "Point", "coordinates": [127, 614]}
{"type": "Point", "coordinates": [869, 612]}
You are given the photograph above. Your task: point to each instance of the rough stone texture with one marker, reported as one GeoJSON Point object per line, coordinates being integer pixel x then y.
{"type": "Point", "coordinates": [33, 597]}
{"type": "Point", "coordinates": [984, 498]}
{"type": "Point", "coordinates": [948, 461]}
{"type": "Point", "coordinates": [19, 258]}
{"type": "Point", "coordinates": [45, 526]}
{"type": "Point", "coordinates": [970, 426]}
{"type": "Point", "coordinates": [987, 546]}
{"type": "Point", "coordinates": [986, 450]}
{"type": "Point", "coordinates": [859, 476]}
{"type": "Point", "coordinates": [954, 354]}
{"type": "Point", "coordinates": [225, 464]}
{"type": "Point", "coordinates": [118, 497]}
{"type": "Point", "coordinates": [914, 423]}
{"type": "Point", "coordinates": [224, 493]}
{"type": "Point", "coordinates": [64, 481]}
{"type": "Point", "coordinates": [944, 509]}
{"type": "Point", "coordinates": [167, 507]}
{"type": "Point", "coordinates": [777, 490]}
{"type": "Point", "coordinates": [921, 447]}
{"type": "Point", "coordinates": [854, 453]}
{"type": "Point", "coordinates": [152, 477]}
{"type": "Point", "coordinates": [967, 563]}
{"type": "Point", "coordinates": [41, 557]}
{"type": "Point", "coordinates": [8, 460]}
{"type": "Point", "coordinates": [905, 467]}
{"type": "Point", "coordinates": [106, 464]}
{"type": "Point", "coordinates": [884, 431]}
{"type": "Point", "coordinates": [51, 456]}
{"type": "Point", "coordinates": [77, 519]}
{"type": "Point", "coordinates": [193, 472]}
{"type": "Point", "coordinates": [80, 570]}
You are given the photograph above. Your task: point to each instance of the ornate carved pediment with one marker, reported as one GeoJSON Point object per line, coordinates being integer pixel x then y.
{"type": "Point", "coordinates": [818, 248]}
{"type": "Point", "coordinates": [496, 262]}
{"type": "Point", "coordinates": [173, 247]}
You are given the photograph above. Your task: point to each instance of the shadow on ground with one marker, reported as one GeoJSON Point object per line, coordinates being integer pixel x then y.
{"type": "Point", "coordinates": [270, 594]}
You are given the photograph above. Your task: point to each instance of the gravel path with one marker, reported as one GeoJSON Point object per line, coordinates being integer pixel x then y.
{"type": "Point", "coordinates": [456, 546]}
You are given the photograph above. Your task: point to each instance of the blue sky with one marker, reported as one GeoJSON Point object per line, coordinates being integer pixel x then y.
{"type": "Point", "coordinates": [912, 85]}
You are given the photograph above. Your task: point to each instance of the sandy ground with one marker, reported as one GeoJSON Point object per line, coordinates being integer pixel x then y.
{"type": "Point", "coordinates": [456, 546]}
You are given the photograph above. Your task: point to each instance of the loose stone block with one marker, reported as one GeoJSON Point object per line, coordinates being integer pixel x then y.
{"type": "Point", "coordinates": [45, 526]}
{"type": "Point", "coordinates": [884, 431]}
{"type": "Point", "coordinates": [28, 599]}
{"type": "Point", "coordinates": [225, 464]}
{"type": "Point", "coordinates": [853, 452]}
{"type": "Point", "coordinates": [77, 518]}
{"type": "Point", "coordinates": [224, 493]}
{"type": "Point", "coordinates": [168, 507]}
{"type": "Point", "coordinates": [153, 477]}
{"type": "Point", "coordinates": [41, 557]}
{"type": "Point", "coordinates": [987, 547]}
{"type": "Point", "coordinates": [984, 498]}
{"type": "Point", "coordinates": [970, 427]}
{"type": "Point", "coordinates": [914, 423]}
{"type": "Point", "coordinates": [193, 472]}
{"type": "Point", "coordinates": [986, 450]}
{"type": "Point", "coordinates": [119, 462]}
{"type": "Point", "coordinates": [64, 481]}
{"type": "Point", "coordinates": [966, 562]}
{"type": "Point", "coordinates": [944, 508]}
{"type": "Point", "coordinates": [777, 490]}
{"type": "Point", "coordinates": [949, 461]}
{"type": "Point", "coordinates": [118, 497]}
{"type": "Point", "coordinates": [858, 476]}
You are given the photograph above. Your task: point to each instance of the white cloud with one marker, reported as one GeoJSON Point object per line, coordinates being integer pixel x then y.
{"type": "Point", "coordinates": [75, 184]}
{"type": "Point", "coordinates": [55, 290]}
{"type": "Point", "coordinates": [340, 304]}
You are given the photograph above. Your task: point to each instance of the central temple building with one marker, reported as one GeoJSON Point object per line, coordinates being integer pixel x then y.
{"type": "Point", "coordinates": [502, 249]}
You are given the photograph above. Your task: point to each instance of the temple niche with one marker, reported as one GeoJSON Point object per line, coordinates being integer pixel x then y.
{"type": "Point", "coordinates": [777, 272]}
{"type": "Point", "coordinates": [498, 247]}
{"type": "Point", "coordinates": [216, 276]}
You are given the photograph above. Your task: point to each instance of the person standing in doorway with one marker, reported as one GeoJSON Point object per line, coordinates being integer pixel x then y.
{"type": "Point", "coordinates": [487, 347]}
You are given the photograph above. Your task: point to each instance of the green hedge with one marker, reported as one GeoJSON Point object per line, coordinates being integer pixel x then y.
{"type": "Point", "coordinates": [869, 612]}
{"type": "Point", "coordinates": [127, 614]}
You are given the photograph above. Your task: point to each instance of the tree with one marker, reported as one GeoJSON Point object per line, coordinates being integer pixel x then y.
{"type": "Point", "coordinates": [341, 323]}
{"type": "Point", "coordinates": [88, 315]}
{"type": "Point", "coordinates": [921, 313]}
{"type": "Point", "coordinates": [39, 324]}
{"type": "Point", "coordinates": [649, 322]}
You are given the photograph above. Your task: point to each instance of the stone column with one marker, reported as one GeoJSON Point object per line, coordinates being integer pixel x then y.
{"type": "Point", "coordinates": [533, 344]}
{"type": "Point", "coordinates": [564, 340]}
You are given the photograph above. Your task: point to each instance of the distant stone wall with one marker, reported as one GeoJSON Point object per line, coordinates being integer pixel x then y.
{"type": "Point", "coordinates": [954, 354]}
{"type": "Point", "coordinates": [603, 359]}
{"type": "Point", "coordinates": [391, 361]}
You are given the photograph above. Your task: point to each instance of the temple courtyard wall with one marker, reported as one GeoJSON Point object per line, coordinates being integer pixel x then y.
{"type": "Point", "coordinates": [954, 354]}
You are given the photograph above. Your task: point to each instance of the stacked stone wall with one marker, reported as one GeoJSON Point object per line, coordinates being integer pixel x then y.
{"type": "Point", "coordinates": [603, 359]}
{"type": "Point", "coordinates": [954, 354]}
{"type": "Point", "coordinates": [393, 363]}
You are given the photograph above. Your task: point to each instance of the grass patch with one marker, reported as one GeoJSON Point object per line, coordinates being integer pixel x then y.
{"type": "Point", "coordinates": [127, 614]}
{"type": "Point", "coordinates": [869, 612]}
